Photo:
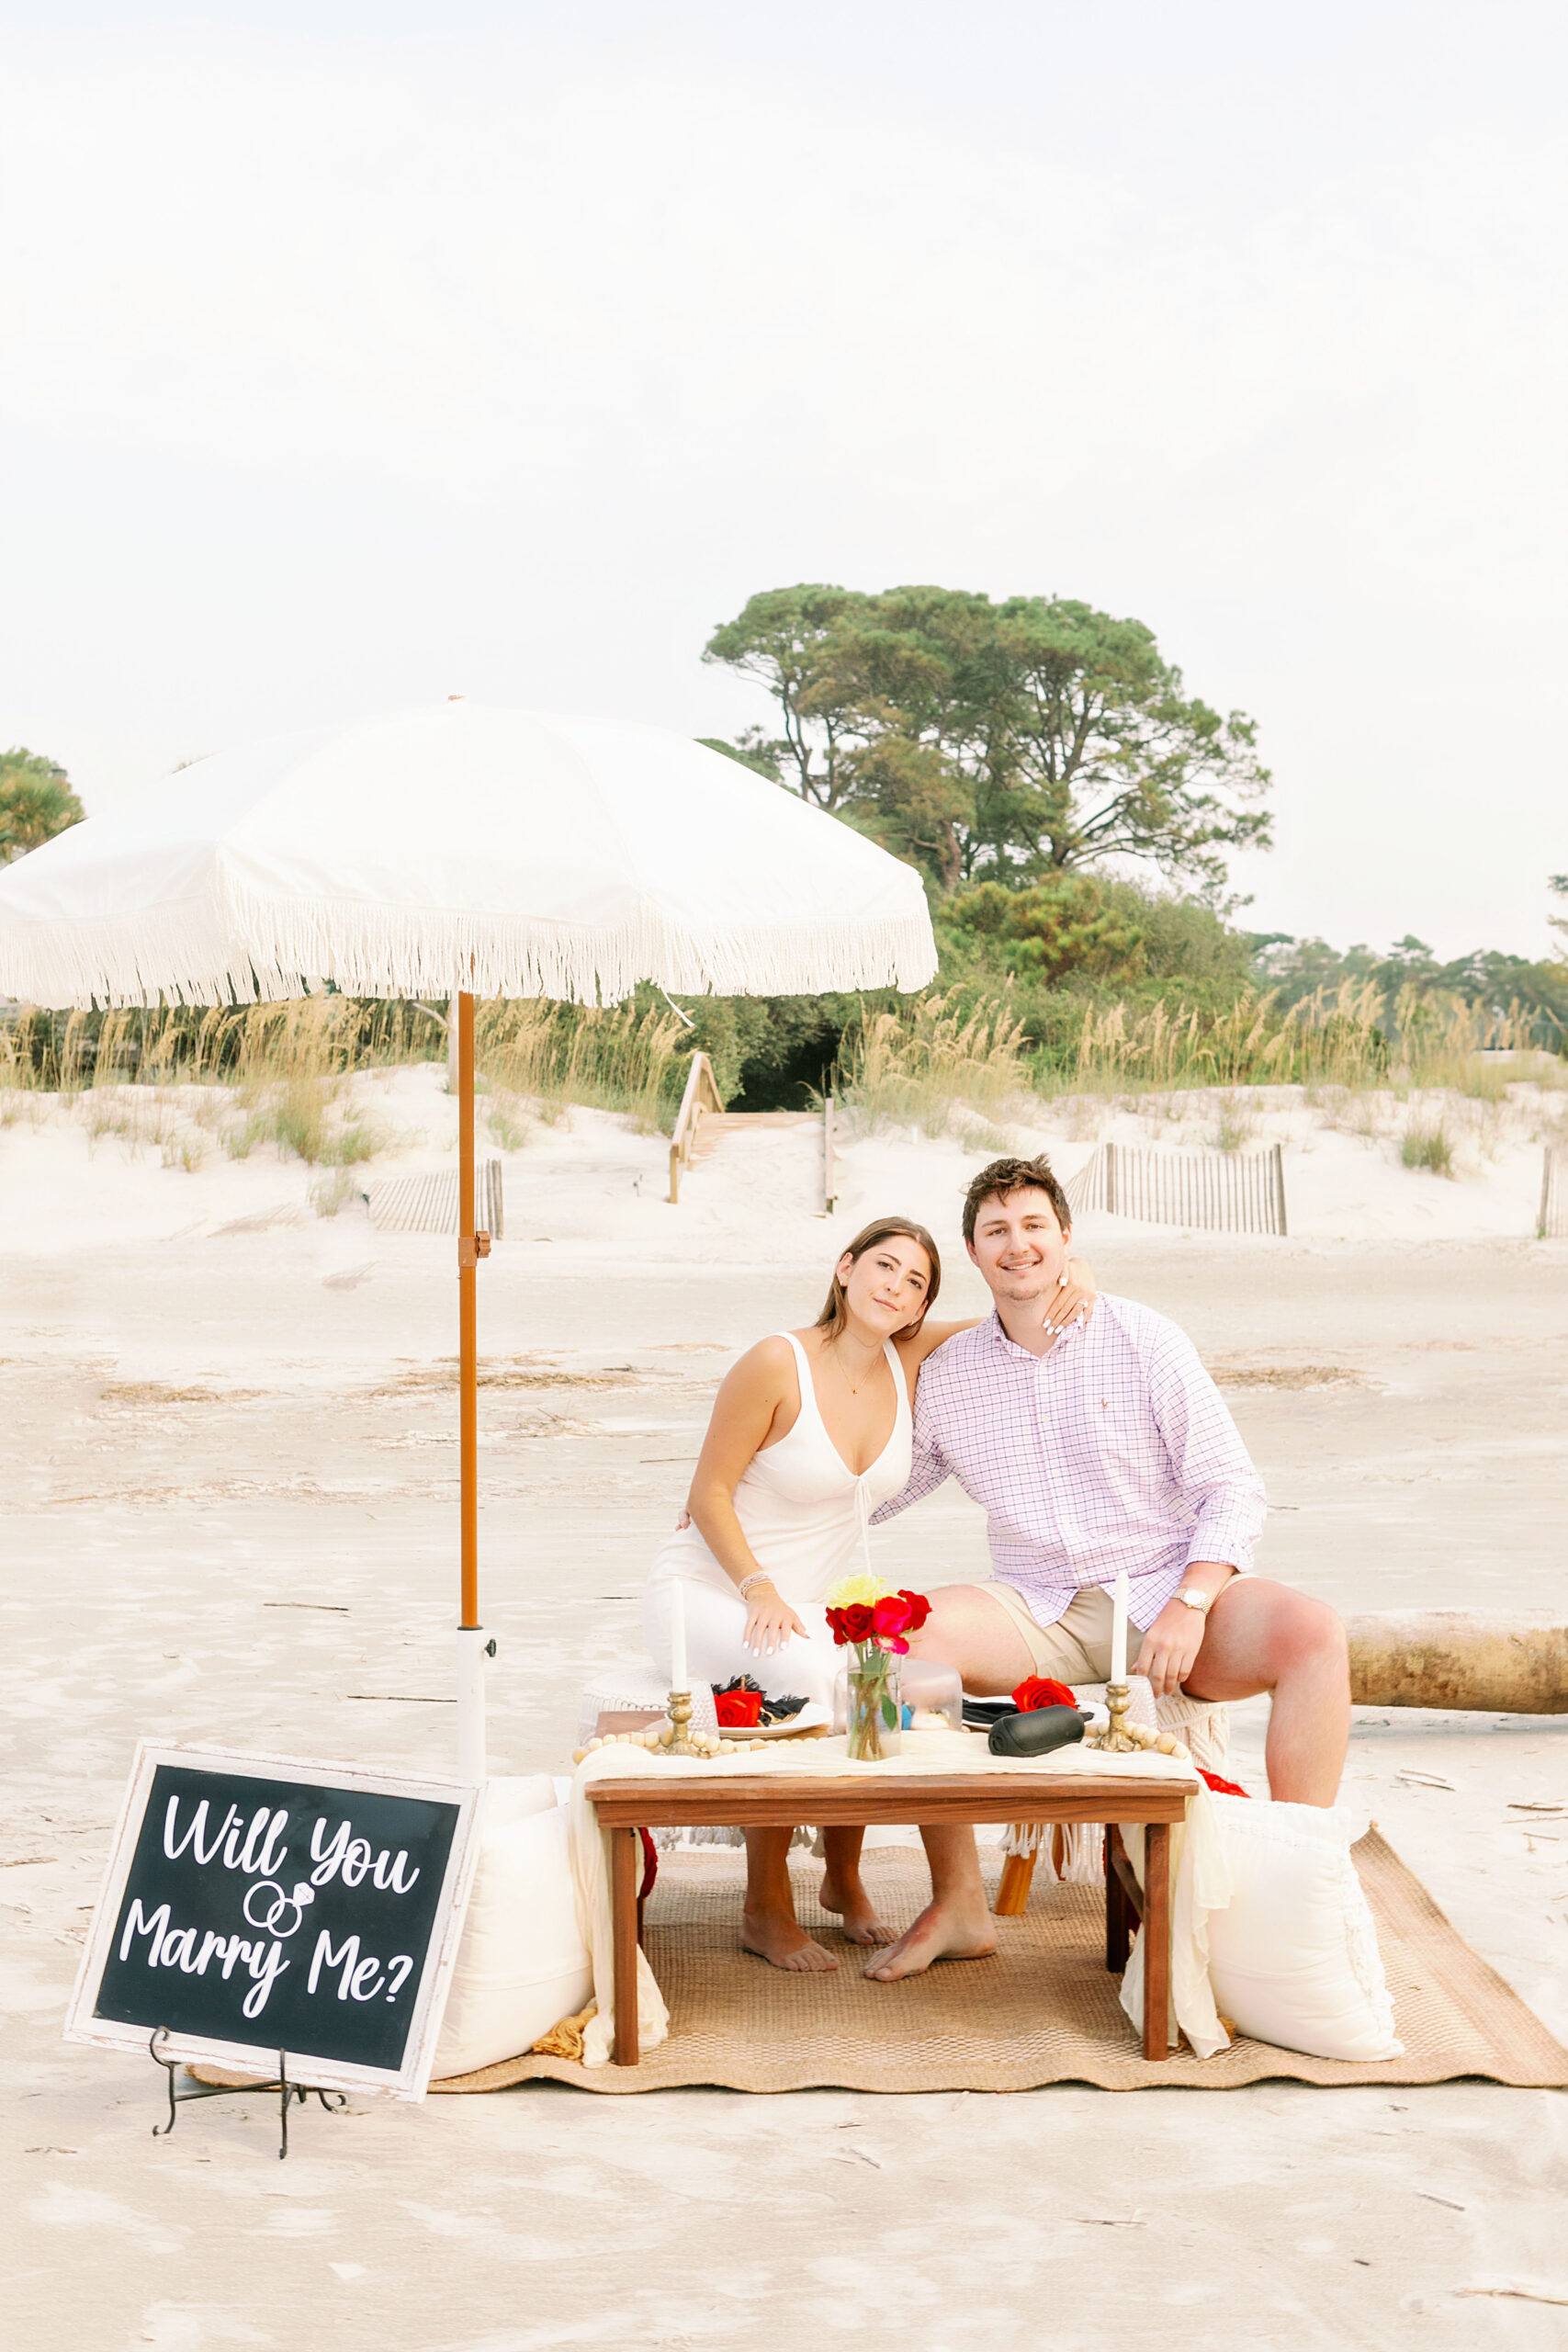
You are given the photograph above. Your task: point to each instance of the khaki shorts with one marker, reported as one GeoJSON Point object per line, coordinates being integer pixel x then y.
{"type": "Point", "coordinates": [1077, 1648]}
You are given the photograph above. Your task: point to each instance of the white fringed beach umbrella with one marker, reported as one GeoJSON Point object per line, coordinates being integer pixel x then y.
{"type": "Point", "coordinates": [458, 849]}
{"type": "Point", "coordinates": [535, 855]}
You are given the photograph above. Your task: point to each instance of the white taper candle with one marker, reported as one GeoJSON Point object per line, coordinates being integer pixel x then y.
{"type": "Point", "coordinates": [677, 1636]}
{"type": "Point", "coordinates": [1119, 1628]}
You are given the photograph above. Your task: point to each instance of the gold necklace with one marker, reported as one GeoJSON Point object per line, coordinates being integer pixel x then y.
{"type": "Point", "coordinates": [848, 1384]}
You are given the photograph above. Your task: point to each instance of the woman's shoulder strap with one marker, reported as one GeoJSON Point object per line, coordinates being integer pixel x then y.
{"type": "Point", "coordinates": [802, 1361]}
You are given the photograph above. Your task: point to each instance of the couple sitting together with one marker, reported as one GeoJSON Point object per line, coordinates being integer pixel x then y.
{"type": "Point", "coordinates": [1087, 1430]}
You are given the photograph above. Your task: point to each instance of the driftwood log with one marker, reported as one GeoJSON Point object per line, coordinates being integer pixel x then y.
{"type": "Point", "coordinates": [1458, 1658]}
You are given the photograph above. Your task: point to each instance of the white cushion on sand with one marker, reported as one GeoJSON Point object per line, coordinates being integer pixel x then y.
{"type": "Point", "coordinates": [1293, 1959]}
{"type": "Point", "coordinates": [522, 1964]}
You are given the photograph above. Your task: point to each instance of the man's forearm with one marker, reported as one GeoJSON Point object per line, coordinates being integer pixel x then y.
{"type": "Point", "coordinates": [1227, 1524]}
{"type": "Point", "coordinates": [1208, 1576]}
{"type": "Point", "coordinates": [928, 1471]}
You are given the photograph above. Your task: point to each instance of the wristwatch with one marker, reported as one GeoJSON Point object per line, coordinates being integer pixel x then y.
{"type": "Point", "coordinates": [1198, 1601]}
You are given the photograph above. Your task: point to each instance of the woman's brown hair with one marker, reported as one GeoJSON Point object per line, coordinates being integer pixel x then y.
{"type": "Point", "coordinates": [835, 1313]}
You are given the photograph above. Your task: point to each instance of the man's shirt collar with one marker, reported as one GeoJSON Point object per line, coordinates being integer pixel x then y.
{"type": "Point", "coordinates": [1007, 1347]}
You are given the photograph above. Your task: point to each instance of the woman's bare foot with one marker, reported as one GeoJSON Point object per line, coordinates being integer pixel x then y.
{"type": "Point", "coordinates": [782, 1942]}
{"type": "Point", "coordinates": [852, 1903]}
{"type": "Point", "coordinates": [939, 1933]}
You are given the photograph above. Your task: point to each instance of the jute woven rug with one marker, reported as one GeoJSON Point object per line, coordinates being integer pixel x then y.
{"type": "Point", "coordinates": [1042, 2010]}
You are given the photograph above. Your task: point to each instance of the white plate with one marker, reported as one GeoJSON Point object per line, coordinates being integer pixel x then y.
{"type": "Point", "coordinates": [812, 1716]}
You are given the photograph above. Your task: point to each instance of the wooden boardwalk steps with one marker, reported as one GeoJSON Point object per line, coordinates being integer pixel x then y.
{"type": "Point", "coordinates": [702, 1123]}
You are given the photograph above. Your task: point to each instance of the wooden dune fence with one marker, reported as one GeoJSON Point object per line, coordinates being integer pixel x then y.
{"type": "Point", "coordinates": [1214, 1191]}
{"type": "Point", "coordinates": [429, 1204]}
{"type": "Point", "coordinates": [1551, 1224]}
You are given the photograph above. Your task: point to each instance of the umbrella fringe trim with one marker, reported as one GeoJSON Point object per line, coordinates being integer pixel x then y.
{"type": "Point", "coordinates": [187, 954]}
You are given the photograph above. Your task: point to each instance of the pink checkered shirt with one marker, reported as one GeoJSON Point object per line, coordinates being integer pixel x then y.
{"type": "Point", "coordinates": [1114, 1451]}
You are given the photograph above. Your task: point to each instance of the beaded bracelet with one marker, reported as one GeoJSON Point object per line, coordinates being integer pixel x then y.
{"type": "Point", "coordinates": [759, 1576]}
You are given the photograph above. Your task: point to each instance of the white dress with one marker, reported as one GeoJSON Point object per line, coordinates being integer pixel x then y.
{"type": "Point", "coordinates": [806, 1515]}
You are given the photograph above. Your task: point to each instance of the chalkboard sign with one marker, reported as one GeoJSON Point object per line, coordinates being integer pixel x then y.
{"type": "Point", "coordinates": [255, 1905]}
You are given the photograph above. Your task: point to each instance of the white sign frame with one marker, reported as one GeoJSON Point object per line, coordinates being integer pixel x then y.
{"type": "Point", "coordinates": [412, 2079]}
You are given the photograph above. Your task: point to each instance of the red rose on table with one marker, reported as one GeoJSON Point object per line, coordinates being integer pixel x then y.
{"type": "Point", "coordinates": [737, 1707]}
{"type": "Point", "coordinates": [920, 1609]}
{"type": "Point", "coordinates": [1221, 1787]}
{"type": "Point", "coordinates": [1041, 1691]}
{"type": "Point", "coordinates": [853, 1623]}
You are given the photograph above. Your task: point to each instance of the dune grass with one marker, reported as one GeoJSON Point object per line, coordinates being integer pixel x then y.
{"type": "Point", "coordinates": [1426, 1144]}
{"type": "Point", "coordinates": [187, 1080]}
{"type": "Point", "coordinates": [539, 1056]}
{"type": "Point", "coordinates": [976, 1051]}
{"type": "Point", "coordinates": [276, 1076]}
{"type": "Point", "coordinates": [922, 1065]}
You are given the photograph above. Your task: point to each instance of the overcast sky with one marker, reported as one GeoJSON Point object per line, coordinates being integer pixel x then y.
{"type": "Point", "coordinates": [358, 355]}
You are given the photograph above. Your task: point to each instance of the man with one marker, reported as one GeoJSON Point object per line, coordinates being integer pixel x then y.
{"type": "Point", "coordinates": [1107, 1447]}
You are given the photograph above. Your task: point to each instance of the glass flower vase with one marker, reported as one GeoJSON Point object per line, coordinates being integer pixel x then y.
{"type": "Point", "coordinates": [868, 1707]}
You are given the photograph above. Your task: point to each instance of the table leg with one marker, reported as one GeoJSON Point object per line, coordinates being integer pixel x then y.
{"type": "Point", "coordinates": [1012, 1896]}
{"type": "Point", "coordinates": [1118, 1910]}
{"type": "Point", "coordinates": [1157, 1939]}
{"type": "Point", "coordinates": [625, 1857]}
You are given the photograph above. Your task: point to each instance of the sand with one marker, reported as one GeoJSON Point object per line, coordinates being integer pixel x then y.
{"type": "Point", "coordinates": [231, 1515]}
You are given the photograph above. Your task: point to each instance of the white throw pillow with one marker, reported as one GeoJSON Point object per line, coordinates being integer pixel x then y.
{"type": "Point", "coordinates": [522, 1964]}
{"type": "Point", "coordinates": [1293, 1959]}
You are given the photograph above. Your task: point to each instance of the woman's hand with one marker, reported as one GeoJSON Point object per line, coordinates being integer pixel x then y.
{"type": "Point", "coordinates": [769, 1621]}
{"type": "Point", "coordinates": [1170, 1648]}
{"type": "Point", "coordinates": [1076, 1295]}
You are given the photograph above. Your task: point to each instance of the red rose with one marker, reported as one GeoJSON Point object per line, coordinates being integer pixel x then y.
{"type": "Point", "coordinates": [737, 1707]}
{"type": "Point", "coordinates": [1041, 1691]}
{"type": "Point", "coordinates": [1221, 1787]}
{"type": "Point", "coordinates": [855, 1623]}
{"type": "Point", "coordinates": [891, 1616]}
{"type": "Point", "coordinates": [920, 1609]}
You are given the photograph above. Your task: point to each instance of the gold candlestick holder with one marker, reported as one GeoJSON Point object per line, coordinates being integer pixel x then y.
{"type": "Point", "coordinates": [680, 1742]}
{"type": "Point", "coordinates": [1122, 1738]}
{"type": "Point", "coordinates": [1119, 1736]}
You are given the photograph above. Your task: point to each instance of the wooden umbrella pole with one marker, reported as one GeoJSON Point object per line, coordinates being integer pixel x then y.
{"type": "Point", "coordinates": [468, 1322]}
{"type": "Point", "coordinates": [472, 1246]}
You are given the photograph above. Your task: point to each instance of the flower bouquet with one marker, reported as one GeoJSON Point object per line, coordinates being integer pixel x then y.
{"type": "Point", "coordinates": [868, 1618]}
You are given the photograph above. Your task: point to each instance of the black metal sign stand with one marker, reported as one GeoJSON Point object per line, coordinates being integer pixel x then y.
{"type": "Point", "coordinates": [286, 2092]}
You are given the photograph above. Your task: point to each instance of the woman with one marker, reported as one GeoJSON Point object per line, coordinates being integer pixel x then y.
{"type": "Point", "coordinates": [811, 1432]}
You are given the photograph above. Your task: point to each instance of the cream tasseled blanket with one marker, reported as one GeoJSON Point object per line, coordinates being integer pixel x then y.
{"type": "Point", "coordinates": [1200, 1871]}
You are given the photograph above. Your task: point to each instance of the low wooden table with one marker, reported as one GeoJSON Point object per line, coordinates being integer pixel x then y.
{"type": "Point", "coordinates": [777, 1799]}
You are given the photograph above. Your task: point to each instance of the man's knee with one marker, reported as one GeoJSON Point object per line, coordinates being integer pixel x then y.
{"type": "Point", "coordinates": [968, 1631]}
{"type": "Point", "coordinates": [1280, 1634]}
{"type": "Point", "coordinates": [1315, 1636]}
{"type": "Point", "coordinates": [956, 1609]}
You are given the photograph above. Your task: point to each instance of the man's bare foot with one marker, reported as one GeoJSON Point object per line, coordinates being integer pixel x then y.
{"type": "Point", "coordinates": [937, 1934]}
{"type": "Point", "coordinates": [784, 1944]}
{"type": "Point", "coordinates": [853, 1905]}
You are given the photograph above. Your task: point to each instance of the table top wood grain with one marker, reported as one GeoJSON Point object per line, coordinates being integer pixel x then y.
{"type": "Point", "coordinates": [690, 1799]}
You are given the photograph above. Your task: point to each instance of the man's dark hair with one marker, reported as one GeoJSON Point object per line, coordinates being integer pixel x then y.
{"type": "Point", "coordinates": [1005, 1177]}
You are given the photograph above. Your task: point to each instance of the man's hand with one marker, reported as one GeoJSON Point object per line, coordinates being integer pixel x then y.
{"type": "Point", "coordinates": [1170, 1647]}
{"type": "Point", "coordinates": [1172, 1643]}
